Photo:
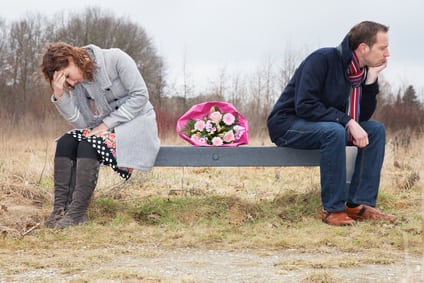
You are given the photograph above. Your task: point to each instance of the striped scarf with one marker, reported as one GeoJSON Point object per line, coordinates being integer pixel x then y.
{"type": "Point", "coordinates": [356, 76]}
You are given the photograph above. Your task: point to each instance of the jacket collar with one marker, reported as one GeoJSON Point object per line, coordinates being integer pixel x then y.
{"type": "Point", "coordinates": [100, 75]}
{"type": "Point", "coordinates": [345, 51]}
{"type": "Point", "coordinates": [346, 54]}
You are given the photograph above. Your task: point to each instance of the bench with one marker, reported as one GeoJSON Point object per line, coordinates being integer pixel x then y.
{"type": "Point", "coordinates": [245, 156]}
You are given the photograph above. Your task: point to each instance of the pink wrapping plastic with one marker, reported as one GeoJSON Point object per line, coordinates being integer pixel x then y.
{"type": "Point", "coordinates": [213, 123]}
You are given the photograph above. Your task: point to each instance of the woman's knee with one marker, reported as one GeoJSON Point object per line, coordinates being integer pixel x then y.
{"type": "Point", "coordinates": [66, 146]}
{"type": "Point", "coordinates": [86, 150]}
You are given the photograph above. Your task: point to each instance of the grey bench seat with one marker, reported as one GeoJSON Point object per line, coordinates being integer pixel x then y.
{"type": "Point", "coordinates": [244, 156]}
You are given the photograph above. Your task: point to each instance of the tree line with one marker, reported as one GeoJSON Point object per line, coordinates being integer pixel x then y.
{"type": "Point", "coordinates": [23, 92]}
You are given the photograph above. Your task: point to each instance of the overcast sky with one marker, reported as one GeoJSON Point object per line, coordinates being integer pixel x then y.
{"type": "Point", "coordinates": [241, 35]}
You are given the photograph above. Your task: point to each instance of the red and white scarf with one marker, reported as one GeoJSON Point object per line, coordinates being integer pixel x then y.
{"type": "Point", "coordinates": [356, 76]}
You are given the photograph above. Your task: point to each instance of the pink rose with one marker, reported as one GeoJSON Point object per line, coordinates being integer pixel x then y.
{"type": "Point", "coordinates": [217, 141]}
{"type": "Point", "coordinates": [215, 117]}
{"type": "Point", "coordinates": [228, 119]}
{"type": "Point", "coordinates": [199, 125]}
{"type": "Point", "coordinates": [195, 138]}
{"type": "Point", "coordinates": [228, 137]}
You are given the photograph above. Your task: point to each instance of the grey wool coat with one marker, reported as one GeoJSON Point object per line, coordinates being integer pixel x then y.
{"type": "Point", "coordinates": [122, 102]}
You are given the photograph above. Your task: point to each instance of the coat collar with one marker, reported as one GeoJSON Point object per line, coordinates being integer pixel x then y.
{"type": "Point", "coordinates": [100, 76]}
{"type": "Point", "coordinates": [345, 51]}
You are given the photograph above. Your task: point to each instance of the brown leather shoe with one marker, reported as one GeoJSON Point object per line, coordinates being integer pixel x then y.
{"type": "Point", "coordinates": [368, 212]}
{"type": "Point", "coordinates": [339, 218]}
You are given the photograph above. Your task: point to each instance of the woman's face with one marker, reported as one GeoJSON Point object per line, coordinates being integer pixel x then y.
{"type": "Point", "coordinates": [73, 74]}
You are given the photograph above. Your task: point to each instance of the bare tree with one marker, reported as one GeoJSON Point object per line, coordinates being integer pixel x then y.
{"type": "Point", "coordinates": [262, 92]}
{"type": "Point", "coordinates": [187, 87]}
{"type": "Point", "coordinates": [287, 67]}
{"type": "Point", "coordinates": [3, 55]}
{"type": "Point", "coordinates": [23, 45]}
{"type": "Point", "coordinates": [270, 92]}
{"type": "Point", "coordinates": [219, 85]}
{"type": "Point", "coordinates": [237, 90]}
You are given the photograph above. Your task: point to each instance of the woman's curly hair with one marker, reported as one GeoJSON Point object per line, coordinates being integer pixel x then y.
{"type": "Point", "coordinates": [57, 57]}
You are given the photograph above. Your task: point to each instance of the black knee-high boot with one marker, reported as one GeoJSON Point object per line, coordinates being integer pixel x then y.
{"type": "Point", "coordinates": [86, 179]}
{"type": "Point", "coordinates": [71, 187]}
{"type": "Point", "coordinates": [64, 168]}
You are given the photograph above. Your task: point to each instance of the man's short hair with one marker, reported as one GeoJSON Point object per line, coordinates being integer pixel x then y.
{"type": "Point", "coordinates": [365, 32]}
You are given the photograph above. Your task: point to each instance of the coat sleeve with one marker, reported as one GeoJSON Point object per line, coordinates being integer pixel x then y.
{"type": "Point", "coordinates": [66, 107]}
{"type": "Point", "coordinates": [312, 87]}
{"type": "Point", "coordinates": [134, 83]}
{"type": "Point", "coordinates": [368, 100]}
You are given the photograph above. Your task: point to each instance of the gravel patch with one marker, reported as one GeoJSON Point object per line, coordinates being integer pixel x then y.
{"type": "Point", "coordinates": [194, 265]}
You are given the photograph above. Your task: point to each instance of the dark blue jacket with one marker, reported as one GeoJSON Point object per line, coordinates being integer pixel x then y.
{"type": "Point", "coordinates": [319, 91]}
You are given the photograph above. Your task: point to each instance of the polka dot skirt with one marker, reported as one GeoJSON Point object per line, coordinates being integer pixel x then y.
{"type": "Point", "coordinates": [105, 146]}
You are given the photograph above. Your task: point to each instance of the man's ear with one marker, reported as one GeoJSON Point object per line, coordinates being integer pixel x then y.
{"type": "Point", "coordinates": [363, 47]}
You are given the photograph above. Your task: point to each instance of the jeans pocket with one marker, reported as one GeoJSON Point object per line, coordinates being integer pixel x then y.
{"type": "Point", "coordinates": [281, 141]}
{"type": "Point", "coordinates": [289, 137]}
{"type": "Point", "coordinates": [300, 139]}
{"type": "Point", "coordinates": [292, 137]}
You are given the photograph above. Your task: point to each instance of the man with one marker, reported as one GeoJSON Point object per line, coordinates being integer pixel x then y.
{"type": "Point", "coordinates": [328, 103]}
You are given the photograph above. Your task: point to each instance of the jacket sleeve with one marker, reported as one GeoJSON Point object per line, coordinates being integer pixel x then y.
{"type": "Point", "coordinates": [310, 87]}
{"type": "Point", "coordinates": [368, 100]}
{"type": "Point", "coordinates": [132, 81]}
{"type": "Point", "coordinates": [66, 107]}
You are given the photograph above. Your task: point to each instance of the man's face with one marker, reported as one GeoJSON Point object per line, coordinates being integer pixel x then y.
{"type": "Point", "coordinates": [377, 54]}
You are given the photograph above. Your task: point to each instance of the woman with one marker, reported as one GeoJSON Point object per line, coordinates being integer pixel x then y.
{"type": "Point", "coordinates": [101, 93]}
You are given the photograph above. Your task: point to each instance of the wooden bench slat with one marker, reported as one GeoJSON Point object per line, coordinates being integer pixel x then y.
{"type": "Point", "coordinates": [243, 156]}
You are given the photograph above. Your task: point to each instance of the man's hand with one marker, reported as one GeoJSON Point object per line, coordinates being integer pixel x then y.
{"type": "Point", "coordinates": [359, 136]}
{"type": "Point", "coordinates": [373, 72]}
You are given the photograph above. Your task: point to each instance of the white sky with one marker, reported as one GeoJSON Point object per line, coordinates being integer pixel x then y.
{"type": "Point", "coordinates": [241, 35]}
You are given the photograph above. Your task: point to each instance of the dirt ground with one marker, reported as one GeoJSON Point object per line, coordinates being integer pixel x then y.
{"type": "Point", "coordinates": [193, 265]}
{"type": "Point", "coordinates": [150, 263]}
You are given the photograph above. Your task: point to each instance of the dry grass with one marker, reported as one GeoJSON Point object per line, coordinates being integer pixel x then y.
{"type": "Point", "coordinates": [214, 208]}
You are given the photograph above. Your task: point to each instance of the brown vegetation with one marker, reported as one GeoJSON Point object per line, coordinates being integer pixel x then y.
{"type": "Point", "coordinates": [178, 212]}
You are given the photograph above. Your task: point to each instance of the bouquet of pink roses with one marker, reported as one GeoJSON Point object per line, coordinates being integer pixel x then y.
{"type": "Point", "coordinates": [213, 123]}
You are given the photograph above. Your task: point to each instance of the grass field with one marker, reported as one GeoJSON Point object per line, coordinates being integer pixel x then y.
{"type": "Point", "coordinates": [265, 210]}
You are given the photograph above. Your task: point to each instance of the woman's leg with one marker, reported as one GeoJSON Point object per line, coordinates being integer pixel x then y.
{"type": "Point", "coordinates": [87, 168]}
{"type": "Point", "coordinates": [64, 176]}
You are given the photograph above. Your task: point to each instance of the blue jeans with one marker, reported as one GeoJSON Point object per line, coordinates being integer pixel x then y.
{"type": "Point", "coordinates": [330, 138]}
